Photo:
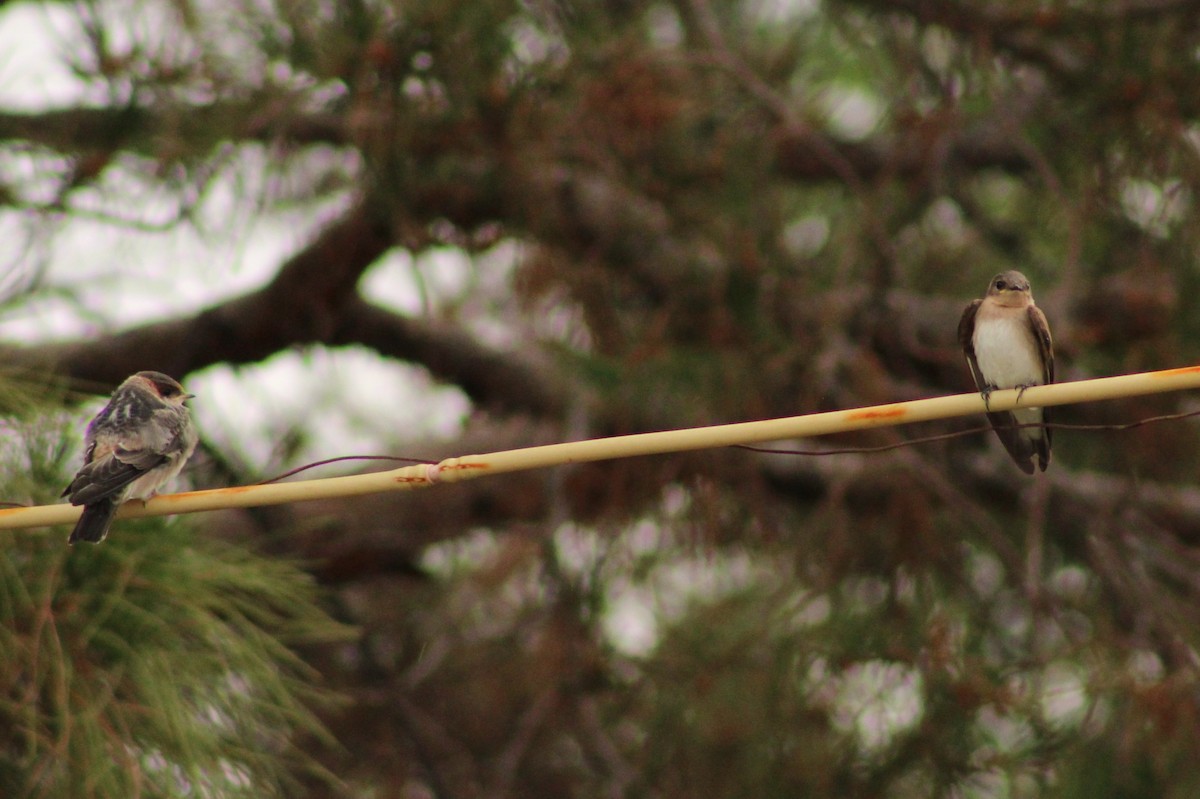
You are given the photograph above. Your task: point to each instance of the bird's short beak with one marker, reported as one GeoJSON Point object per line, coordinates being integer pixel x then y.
{"type": "Point", "coordinates": [189, 396]}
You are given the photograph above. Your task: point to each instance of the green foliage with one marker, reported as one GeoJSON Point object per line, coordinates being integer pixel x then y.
{"type": "Point", "coordinates": [156, 664]}
{"type": "Point", "coordinates": [719, 210]}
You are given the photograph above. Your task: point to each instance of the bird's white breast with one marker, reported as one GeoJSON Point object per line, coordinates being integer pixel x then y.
{"type": "Point", "coordinates": [148, 484]}
{"type": "Point", "coordinates": [1007, 352]}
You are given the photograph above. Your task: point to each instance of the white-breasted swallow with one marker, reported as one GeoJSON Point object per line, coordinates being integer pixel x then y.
{"type": "Point", "coordinates": [139, 441]}
{"type": "Point", "coordinates": [1007, 343]}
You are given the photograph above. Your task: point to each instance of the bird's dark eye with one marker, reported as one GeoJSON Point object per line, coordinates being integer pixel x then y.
{"type": "Point", "coordinates": [167, 390]}
{"type": "Point", "coordinates": [999, 284]}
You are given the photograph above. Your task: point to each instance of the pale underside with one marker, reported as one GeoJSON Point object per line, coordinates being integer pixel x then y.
{"type": "Point", "coordinates": [1008, 357]}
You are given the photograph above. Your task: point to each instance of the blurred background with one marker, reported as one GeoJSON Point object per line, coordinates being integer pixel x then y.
{"type": "Point", "coordinates": [438, 227]}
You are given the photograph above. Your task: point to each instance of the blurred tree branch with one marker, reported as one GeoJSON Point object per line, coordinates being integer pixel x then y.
{"type": "Point", "coordinates": [312, 300]}
{"type": "Point", "coordinates": [804, 154]}
{"type": "Point", "coordinates": [135, 128]}
{"type": "Point", "coordinates": [969, 17]}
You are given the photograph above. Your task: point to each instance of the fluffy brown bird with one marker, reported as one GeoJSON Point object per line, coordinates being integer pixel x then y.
{"type": "Point", "coordinates": [139, 441]}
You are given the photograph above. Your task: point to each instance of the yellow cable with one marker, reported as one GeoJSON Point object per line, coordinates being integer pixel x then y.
{"type": "Point", "coordinates": [468, 467]}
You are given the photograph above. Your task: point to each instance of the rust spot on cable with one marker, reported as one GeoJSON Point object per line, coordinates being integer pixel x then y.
{"type": "Point", "coordinates": [403, 479]}
{"type": "Point", "coordinates": [1183, 370]}
{"type": "Point", "coordinates": [875, 413]}
{"type": "Point", "coordinates": [458, 467]}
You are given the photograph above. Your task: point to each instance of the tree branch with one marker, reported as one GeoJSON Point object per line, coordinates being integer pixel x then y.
{"type": "Point", "coordinates": [312, 300]}
{"type": "Point", "coordinates": [302, 304]}
{"type": "Point", "coordinates": [803, 154]}
{"type": "Point", "coordinates": [1001, 18]}
{"type": "Point", "coordinates": [133, 128]}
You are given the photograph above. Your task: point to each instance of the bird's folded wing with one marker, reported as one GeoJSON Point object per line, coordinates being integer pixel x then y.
{"type": "Point", "coordinates": [107, 476]}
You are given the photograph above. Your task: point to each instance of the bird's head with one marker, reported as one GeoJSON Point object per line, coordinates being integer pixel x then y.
{"type": "Point", "coordinates": [1010, 288]}
{"type": "Point", "coordinates": [163, 386]}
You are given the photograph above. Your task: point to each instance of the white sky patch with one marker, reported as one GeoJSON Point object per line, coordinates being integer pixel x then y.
{"type": "Point", "coordinates": [1070, 583]}
{"type": "Point", "coordinates": [345, 402]}
{"type": "Point", "coordinates": [33, 76]}
{"type": "Point", "coordinates": [877, 701]}
{"type": "Point", "coordinates": [944, 219]}
{"type": "Point", "coordinates": [630, 622]}
{"type": "Point", "coordinates": [646, 589]}
{"type": "Point", "coordinates": [636, 611]}
{"type": "Point", "coordinates": [579, 550]}
{"type": "Point", "coordinates": [986, 572]}
{"type": "Point", "coordinates": [863, 594]}
{"type": "Point", "coordinates": [489, 308]}
{"type": "Point", "coordinates": [1152, 206]}
{"type": "Point", "coordinates": [533, 46]}
{"type": "Point", "coordinates": [632, 617]}
{"type": "Point", "coordinates": [1003, 733]}
{"type": "Point", "coordinates": [853, 113]}
{"type": "Point", "coordinates": [416, 286]}
{"type": "Point", "coordinates": [680, 582]}
{"type": "Point", "coordinates": [1145, 667]}
{"type": "Point", "coordinates": [1062, 694]}
{"type": "Point", "coordinates": [805, 610]}
{"type": "Point", "coordinates": [806, 236]}
{"type": "Point", "coordinates": [782, 12]}
{"type": "Point", "coordinates": [449, 283]}
{"type": "Point", "coordinates": [938, 46]}
{"type": "Point", "coordinates": [449, 558]}
{"type": "Point", "coordinates": [1010, 614]}
{"type": "Point", "coordinates": [113, 279]}
{"type": "Point", "coordinates": [664, 26]}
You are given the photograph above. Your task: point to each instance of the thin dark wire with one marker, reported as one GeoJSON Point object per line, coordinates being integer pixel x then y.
{"type": "Point", "coordinates": [297, 470]}
{"type": "Point", "coordinates": [1170, 417]}
{"type": "Point", "coordinates": [863, 450]}
{"type": "Point", "coordinates": [327, 461]}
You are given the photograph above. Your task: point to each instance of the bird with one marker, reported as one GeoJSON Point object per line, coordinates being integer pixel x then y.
{"type": "Point", "coordinates": [1007, 343]}
{"type": "Point", "coordinates": [138, 441]}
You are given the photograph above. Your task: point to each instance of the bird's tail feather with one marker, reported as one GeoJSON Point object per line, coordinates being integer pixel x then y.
{"type": "Point", "coordinates": [1020, 446]}
{"type": "Point", "coordinates": [93, 524]}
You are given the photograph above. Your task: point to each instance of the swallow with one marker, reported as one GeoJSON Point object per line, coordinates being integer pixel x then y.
{"type": "Point", "coordinates": [1007, 343]}
{"type": "Point", "coordinates": [139, 441]}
